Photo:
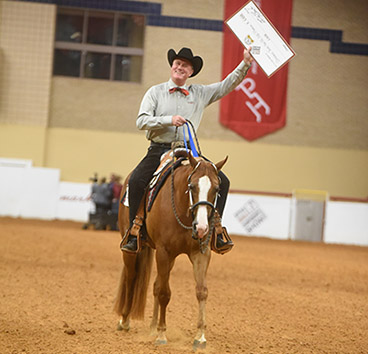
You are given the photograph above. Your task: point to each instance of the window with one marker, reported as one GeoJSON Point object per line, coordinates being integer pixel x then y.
{"type": "Point", "coordinates": [99, 44]}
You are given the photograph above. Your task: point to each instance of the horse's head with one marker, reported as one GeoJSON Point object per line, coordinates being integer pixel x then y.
{"type": "Point", "coordinates": [203, 189]}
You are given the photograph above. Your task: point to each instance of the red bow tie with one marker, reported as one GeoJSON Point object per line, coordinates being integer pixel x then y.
{"type": "Point", "coordinates": [183, 91]}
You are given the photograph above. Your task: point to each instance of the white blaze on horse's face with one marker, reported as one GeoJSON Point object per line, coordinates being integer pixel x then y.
{"type": "Point", "coordinates": [204, 185]}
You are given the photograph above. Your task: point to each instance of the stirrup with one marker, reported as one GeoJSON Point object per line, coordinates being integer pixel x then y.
{"type": "Point", "coordinates": [124, 241]}
{"type": "Point", "coordinates": [131, 245]}
{"type": "Point", "coordinates": [220, 231]}
{"type": "Point", "coordinates": [227, 247]}
{"type": "Point", "coordinates": [135, 230]}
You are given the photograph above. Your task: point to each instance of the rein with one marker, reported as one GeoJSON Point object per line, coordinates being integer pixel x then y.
{"type": "Point", "coordinates": [191, 142]}
{"type": "Point", "coordinates": [203, 244]}
{"type": "Point", "coordinates": [173, 202]}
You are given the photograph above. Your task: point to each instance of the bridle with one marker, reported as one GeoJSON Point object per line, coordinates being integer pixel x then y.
{"type": "Point", "coordinates": [203, 243]}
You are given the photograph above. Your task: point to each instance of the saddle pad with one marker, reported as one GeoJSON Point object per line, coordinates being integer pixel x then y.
{"type": "Point", "coordinates": [125, 199]}
{"type": "Point", "coordinates": [160, 180]}
{"type": "Point", "coordinates": [166, 159]}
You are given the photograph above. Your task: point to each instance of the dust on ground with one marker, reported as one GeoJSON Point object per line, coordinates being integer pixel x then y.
{"type": "Point", "coordinates": [58, 283]}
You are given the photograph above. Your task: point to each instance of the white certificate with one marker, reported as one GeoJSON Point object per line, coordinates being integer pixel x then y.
{"type": "Point", "coordinates": [253, 28]}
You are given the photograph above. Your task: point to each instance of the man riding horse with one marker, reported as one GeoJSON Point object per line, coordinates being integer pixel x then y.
{"type": "Point", "coordinates": [164, 108]}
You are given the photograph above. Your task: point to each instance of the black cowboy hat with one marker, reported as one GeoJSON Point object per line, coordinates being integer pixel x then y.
{"type": "Point", "coordinates": [186, 53]}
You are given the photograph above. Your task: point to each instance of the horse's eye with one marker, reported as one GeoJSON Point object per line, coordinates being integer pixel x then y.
{"type": "Point", "coordinates": [191, 186]}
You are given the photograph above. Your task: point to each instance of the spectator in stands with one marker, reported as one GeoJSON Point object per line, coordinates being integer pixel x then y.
{"type": "Point", "coordinates": [116, 190]}
{"type": "Point", "coordinates": [102, 196]}
{"type": "Point", "coordinates": [112, 180]}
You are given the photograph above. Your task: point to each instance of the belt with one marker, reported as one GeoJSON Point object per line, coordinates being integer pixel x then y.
{"type": "Point", "coordinates": [168, 145]}
{"type": "Point", "coordinates": [162, 145]}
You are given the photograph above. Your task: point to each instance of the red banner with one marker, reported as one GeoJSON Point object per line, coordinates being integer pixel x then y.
{"type": "Point", "coordinates": [258, 105]}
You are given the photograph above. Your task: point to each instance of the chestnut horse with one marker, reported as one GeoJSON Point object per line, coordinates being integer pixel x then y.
{"type": "Point", "coordinates": [192, 190]}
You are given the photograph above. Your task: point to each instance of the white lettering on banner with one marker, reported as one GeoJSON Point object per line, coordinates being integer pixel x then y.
{"type": "Point", "coordinates": [249, 91]}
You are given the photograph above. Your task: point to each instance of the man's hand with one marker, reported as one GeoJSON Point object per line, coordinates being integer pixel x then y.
{"type": "Point", "coordinates": [178, 121]}
{"type": "Point", "coordinates": [247, 57]}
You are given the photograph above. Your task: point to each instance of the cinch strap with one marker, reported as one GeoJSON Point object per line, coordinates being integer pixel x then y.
{"type": "Point", "coordinates": [191, 142]}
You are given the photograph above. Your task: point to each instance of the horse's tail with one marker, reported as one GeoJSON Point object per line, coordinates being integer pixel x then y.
{"type": "Point", "coordinates": [140, 282]}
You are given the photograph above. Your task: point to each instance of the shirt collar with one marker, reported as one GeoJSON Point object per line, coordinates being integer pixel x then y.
{"type": "Point", "coordinates": [172, 84]}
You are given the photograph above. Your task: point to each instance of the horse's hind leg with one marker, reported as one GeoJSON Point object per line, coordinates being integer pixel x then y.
{"type": "Point", "coordinates": [124, 322]}
{"type": "Point", "coordinates": [153, 326]}
{"type": "Point", "coordinates": [200, 265]}
{"type": "Point", "coordinates": [126, 292]}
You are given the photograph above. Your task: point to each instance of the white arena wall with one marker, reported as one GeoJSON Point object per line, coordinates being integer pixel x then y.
{"type": "Point", "coordinates": [30, 192]}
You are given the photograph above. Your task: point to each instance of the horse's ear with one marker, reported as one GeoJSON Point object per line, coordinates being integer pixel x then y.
{"type": "Point", "coordinates": [192, 160]}
{"type": "Point", "coordinates": [221, 163]}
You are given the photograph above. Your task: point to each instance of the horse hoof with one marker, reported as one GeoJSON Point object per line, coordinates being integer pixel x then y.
{"type": "Point", "coordinates": [199, 345]}
{"type": "Point", "coordinates": [161, 341]}
{"type": "Point", "coordinates": [122, 327]}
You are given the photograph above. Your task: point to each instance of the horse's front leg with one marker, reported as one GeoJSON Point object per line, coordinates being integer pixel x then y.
{"type": "Point", "coordinates": [162, 292]}
{"type": "Point", "coordinates": [200, 265]}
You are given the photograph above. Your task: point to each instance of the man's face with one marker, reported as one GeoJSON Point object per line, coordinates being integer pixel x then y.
{"type": "Point", "coordinates": [181, 69]}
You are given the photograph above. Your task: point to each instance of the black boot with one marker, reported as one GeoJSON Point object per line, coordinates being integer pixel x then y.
{"type": "Point", "coordinates": [131, 245]}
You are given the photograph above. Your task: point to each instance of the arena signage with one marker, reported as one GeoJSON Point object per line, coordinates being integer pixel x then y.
{"type": "Point", "coordinates": [257, 106]}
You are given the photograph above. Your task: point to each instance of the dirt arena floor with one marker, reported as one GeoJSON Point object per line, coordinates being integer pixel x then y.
{"type": "Point", "coordinates": [58, 282]}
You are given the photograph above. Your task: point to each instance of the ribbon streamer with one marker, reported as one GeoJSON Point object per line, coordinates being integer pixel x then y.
{"type": "Point", "coordinates": [191, 141]}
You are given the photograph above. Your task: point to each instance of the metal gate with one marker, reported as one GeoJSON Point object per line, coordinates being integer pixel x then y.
{"type": "Point", "coordinates": [308, 215]}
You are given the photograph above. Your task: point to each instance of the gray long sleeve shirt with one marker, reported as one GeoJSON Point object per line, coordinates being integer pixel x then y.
{"type": "Point", "coordinates": [159, 106]}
